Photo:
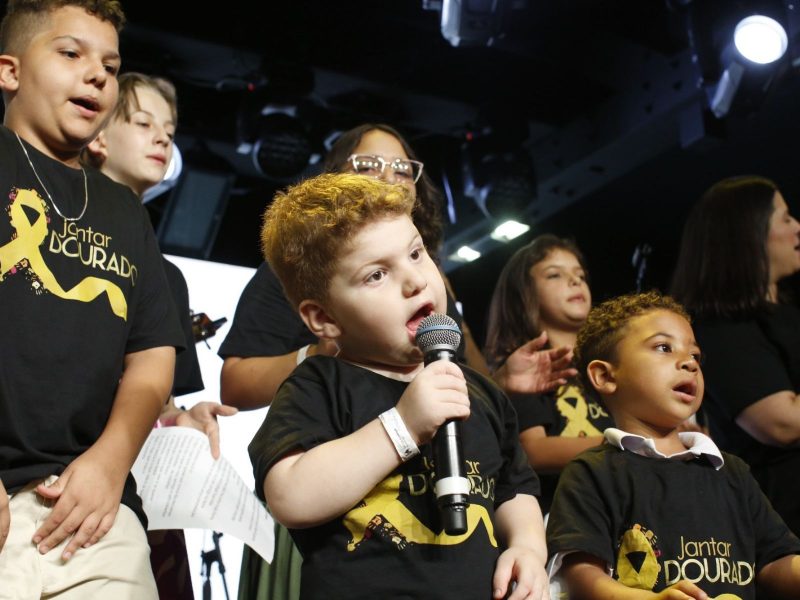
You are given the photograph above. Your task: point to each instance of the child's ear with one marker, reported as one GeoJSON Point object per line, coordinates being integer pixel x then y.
{"type": "Point", "coordinates": [9, 73]}
{"type": "Point", "coordinates": [318, 320]}
{"type": "Point", "coordinates": [601, 376]}
{"type": "Point", "coordinates": [98, 148]}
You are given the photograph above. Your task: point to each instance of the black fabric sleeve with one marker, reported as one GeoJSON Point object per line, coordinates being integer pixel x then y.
{"type": "Point", "coordinates": [516, 475]}
{"type": "Point", "coordinates": [299, 418]}
{"type": "Point", "coordinates": [265, 324]}
{"type": "Point", "coordinates": [155, 321]}
{"type": "Point", "coordinates": [741, 364]}
{"type": "Point", "coordinates": [774, 539]}
{"type": "Point", "coordinates": [579, 518]}
{"type": "Point", "coordinates": [535, 410]}
{"type": "Point", "coordinates": [188, 377]}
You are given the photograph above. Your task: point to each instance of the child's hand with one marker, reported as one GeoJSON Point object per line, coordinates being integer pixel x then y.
{"type": "Point", "coordinates": [5, 515]}
{"type": "Point", "coordinates": [437, 394]}
{"type": "Point", "coordinates": [683, 590]}
{"type": "Point", "coordinates": [524, 568]}
{"type": "Point", "coordinates": [87, 499]}
{"type": "Point", "coordinates": [533, 369]}
{"type": "Point", "coordinates": [203, 417]}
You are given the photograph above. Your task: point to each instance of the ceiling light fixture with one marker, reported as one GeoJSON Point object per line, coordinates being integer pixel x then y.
{"type": "Point", "coordinates": [760, 39]}
{"type": "Point", "coordinates": [465, 254]}
{"type": "Point", "coordinates": [509, 230]}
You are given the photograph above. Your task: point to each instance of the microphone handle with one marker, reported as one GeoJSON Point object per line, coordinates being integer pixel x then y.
{"type": "Point", "coordinates": [452, 485]}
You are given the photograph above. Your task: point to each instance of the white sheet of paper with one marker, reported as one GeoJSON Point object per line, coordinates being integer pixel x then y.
{"type": "Point", "coordinates": [182, 486]}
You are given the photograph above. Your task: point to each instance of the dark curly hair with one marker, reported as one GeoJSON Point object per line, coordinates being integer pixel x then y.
{"type": "Point", "coordinates": [606, 323]}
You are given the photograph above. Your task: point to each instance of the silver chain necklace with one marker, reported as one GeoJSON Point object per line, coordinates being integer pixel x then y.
{"type": "Point", "coordinates": [49, 197]}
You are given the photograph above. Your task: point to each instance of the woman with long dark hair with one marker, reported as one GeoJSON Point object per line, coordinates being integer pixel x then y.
{"type": "Point", "coordinates": [739, 243]}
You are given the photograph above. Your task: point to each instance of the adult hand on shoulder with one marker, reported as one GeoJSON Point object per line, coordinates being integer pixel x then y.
{"type": "Point", "coordinates": [87, 497]}
{"type": "Point", "coordinates": [533, 369]}
{"type": "Point", "coordinates": [5, 516]}
{"type": "Point", "coordinates": [203, 417]}
{"type": "Point", "coordinates": [522, 567]}
{"type": "Point", "coordinates": [438, 393]}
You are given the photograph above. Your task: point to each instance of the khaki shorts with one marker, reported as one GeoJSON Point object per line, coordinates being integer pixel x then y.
{"type": "Point", "coordinates": [115, 568]}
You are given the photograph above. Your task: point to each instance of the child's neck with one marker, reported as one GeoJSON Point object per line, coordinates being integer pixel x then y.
{"type": "Point", "coordinates": [667, 441]}
{"type": "Point", "coordinates": [558, 337]}
{"type": "Point", "coordinates": [68, 157]}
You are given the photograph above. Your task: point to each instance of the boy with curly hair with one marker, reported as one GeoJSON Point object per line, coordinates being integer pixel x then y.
{"type": "Point", "coordinates": [656, 512]}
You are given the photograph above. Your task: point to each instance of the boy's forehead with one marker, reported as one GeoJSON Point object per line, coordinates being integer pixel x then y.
{"type": "Point", "coordinates": [658, 320]}
{"type": "Point", "coordinates": [77, 22]}
{"type": "Point", "coordinates": [370, 242]}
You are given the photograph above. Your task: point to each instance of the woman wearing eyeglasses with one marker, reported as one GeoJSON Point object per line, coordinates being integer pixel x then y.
{"type": "Point", "coordinates": [268, 339]}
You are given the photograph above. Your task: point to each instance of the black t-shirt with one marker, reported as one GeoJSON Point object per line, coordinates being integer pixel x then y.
{"type": "Point", "coordinates": [265, 324]}
{"type": "Point", "coordinates": [392, 544]}
{"type": "Point", "coordinates": [567, 412]}
{"type": "Point", "coordinates": [77, 296]}
{"type": "Point", "coordinates": [188, 377]}
{"type": "Point", "coordinates": [746, 361]}
{"type": "Point", "coordinates": [655, 521]}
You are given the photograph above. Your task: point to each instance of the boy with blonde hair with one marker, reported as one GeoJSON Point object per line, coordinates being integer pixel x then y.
{"type": "Point", "coordinates": [357, 494]}
{"type": "Point", "coordinates": [87, 355]}
{"type": "Point", "coordinates": [655, 512]}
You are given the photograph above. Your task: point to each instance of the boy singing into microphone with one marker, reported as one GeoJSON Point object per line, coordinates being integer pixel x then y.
{"type": "Point", "coordinates": [344, 453]}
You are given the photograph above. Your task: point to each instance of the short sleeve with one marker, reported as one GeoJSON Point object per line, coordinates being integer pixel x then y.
{"type": "Point", "coordinates": [300, 418]}
{"type": "Point", "coordinates": [741, 365]}
{"type": "Point", "coordinates": [534, 410]}
{"type": "Point", "coordinates": [516, 475]}
{"type": "Point", "coordinates": [579, 517]}
{"type": "Point", "coordinates": [774, 539]}
{"type": "Point", "coordinates": [265, 324]}
{"type": "Point", "coordinates": [154, 320]}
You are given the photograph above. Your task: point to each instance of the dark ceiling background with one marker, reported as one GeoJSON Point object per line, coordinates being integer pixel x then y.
{"type": "Point", "coordinates": [603, 96]}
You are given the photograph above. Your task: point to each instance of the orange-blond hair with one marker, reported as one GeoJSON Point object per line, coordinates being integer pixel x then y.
{"type": "Point", "coordinates": [309, 224]}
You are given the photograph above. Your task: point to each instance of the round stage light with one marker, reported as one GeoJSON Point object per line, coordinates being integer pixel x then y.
{"type": "Point", "coordinates": [760, 39]}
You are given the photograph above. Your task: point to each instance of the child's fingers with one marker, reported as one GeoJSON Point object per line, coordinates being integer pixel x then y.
{"type": "Point", "coordinates": [690, 590]}
{"type": "Point", "coordinates": [535, 344]}
{"type": "Point", "coordinates": [102, 529]}
{"type": "Point", "coordinates": [212, 431]}
{"type": "Point", "coordinates": [62, 523]}
{"type": "Point", "coordinates": [82, 536]}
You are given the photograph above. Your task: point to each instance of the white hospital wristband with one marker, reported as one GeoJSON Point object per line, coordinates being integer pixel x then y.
{"type": "Point", "coordinates": [403, 442]}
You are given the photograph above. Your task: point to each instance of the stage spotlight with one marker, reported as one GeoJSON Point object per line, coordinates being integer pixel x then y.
{"type": "Point", "coordinates": [474, 22]}
{"type": "Point", "coordinates": [283, 148]}
{"type": "Point", "coordinates": [502, 183]}
{"type": "Point", "coordinates": [740, 49]}
{"type": "Point", "coordinates": [760, 39]}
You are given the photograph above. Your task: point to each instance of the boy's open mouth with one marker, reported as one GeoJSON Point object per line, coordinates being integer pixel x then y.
{"type": "Point", "coordinates": [688, 389]}
{"type": "Point", "coordinates": [86, 102]}
{"type": "Point", "coordinates": [413, 323]}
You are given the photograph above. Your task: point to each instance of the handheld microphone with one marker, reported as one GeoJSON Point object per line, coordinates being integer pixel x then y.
{"type": "Point", "coordinates": [438, 336]}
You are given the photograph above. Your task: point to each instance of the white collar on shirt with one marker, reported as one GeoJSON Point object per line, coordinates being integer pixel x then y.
{"type": "Point", "coordinates": [696, 444]}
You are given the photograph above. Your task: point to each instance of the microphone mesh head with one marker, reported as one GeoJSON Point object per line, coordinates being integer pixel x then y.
{"type": "Point", "coordinates": [438, 330]}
